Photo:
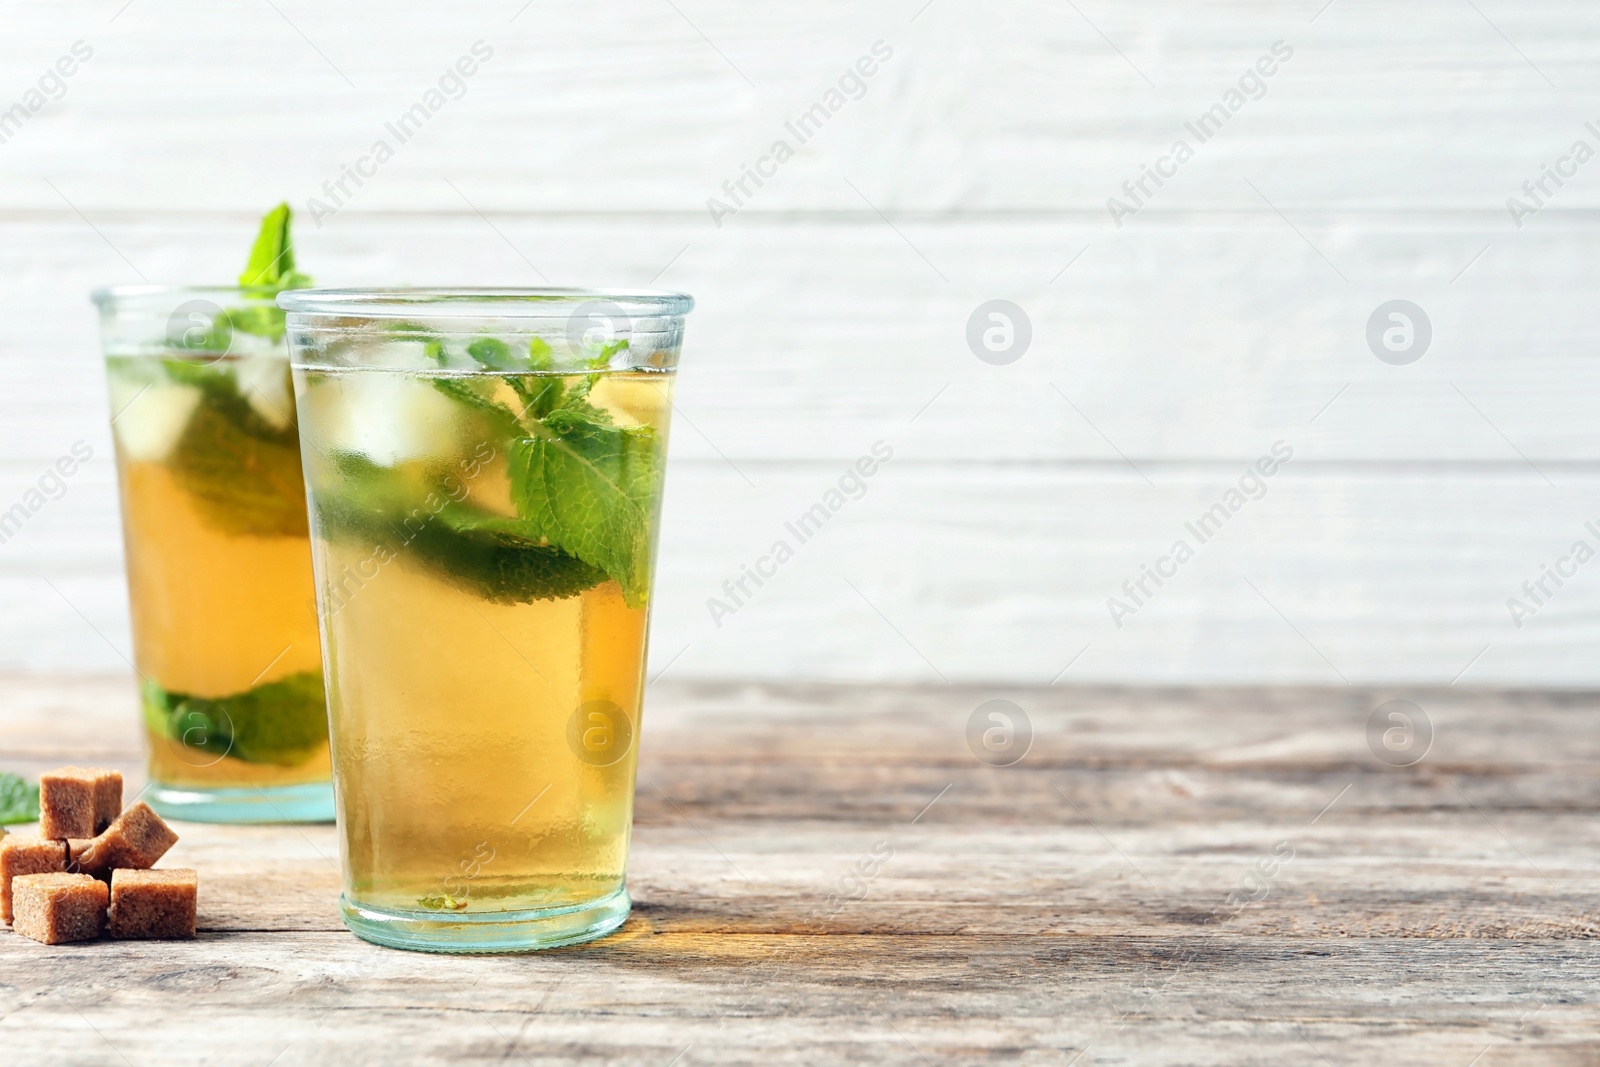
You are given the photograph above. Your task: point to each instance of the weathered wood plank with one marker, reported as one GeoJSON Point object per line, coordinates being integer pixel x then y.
{"type": "Point", "coordinates": [644, 997]}
{"type": "Point", "coordinates": [1132, 812]}
{"type": "Point", "coordinates": [1096, 896]}
{"type": "Point", "coordinates": [1459, 880]}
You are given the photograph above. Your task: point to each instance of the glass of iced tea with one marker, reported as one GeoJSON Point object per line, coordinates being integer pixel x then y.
{"type": "Point", "coordinates": [485, 472]}
{"type": "Point", "coordinates": [218, 554]}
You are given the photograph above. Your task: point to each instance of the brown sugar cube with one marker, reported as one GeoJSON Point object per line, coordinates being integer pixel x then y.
{"type": "Point", "coordinates": [136, 840]}
{"type": "Point", "coordinates": [81, 861]}
{"type": "Point", "coordinates": [66, 805]}
{"type": "Point", "coordinates": [107, 797]}
{"type": "Point", "coordinates": [153, 904]}
{"type": "Point", "coordinates": [54, 908]}
{"type": "Point", "coordinates": [21, 856]}
{"type": "Point", "coordinates": [78, 801]}
{"type": "Point", "coordinates": [76, 847]}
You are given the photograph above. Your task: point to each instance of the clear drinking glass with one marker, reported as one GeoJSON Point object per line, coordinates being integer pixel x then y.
{"type": "Point", "coordinates": [485, 472]}
{"type": "Point", "coordinates": [218, 554]}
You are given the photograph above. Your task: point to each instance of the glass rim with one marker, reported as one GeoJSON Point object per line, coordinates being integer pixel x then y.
{"type": "Point", "coordinates": [543, 302]}
{"type": "Point", "coordinates": [110, 295]}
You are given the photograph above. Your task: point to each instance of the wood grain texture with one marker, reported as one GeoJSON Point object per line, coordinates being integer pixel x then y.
{"type": "Point", "coordinates": [1076, 904]}
{"type": "Point", "coordinates": [1167, 354]}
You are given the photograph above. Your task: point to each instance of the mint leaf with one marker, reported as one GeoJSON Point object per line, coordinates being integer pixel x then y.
{"type": "Point", "coordinates": [495, 559]}
{"type": "Point", "coordinates": [581, 484]}
{"type": "Point", "coordinates": [587, 487]}
{"type": "Point", "coordinates": [540, 355]}
{"type": "Point", "coordinates": [271, 263]}
{"type": "Point", "coordinates": [19, 801]}
{"type": "Point", "coordinates": [281, 722]}
{"type": "Point", "coordinates": [499, 559]}
{"type": "Point", "coordinates": [494, 354]}
{"type": "Point", "coordinates": [540, 393]}
{"type": "Point", "coordinates": [603, 358]}
{"type": "Point", "coordinates": [579, 391]}
{"type": "Point", "coordinates": [491, 353]}
{"type": "Point", "coordinates": [271, 266]}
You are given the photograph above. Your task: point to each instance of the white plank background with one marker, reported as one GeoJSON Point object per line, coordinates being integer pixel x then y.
{"type": "Point", "coordinates": [1170, 353]}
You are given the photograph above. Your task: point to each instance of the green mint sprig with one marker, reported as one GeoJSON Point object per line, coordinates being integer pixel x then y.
{"type": "Point", "coordinates": [271, 263]}
{"type": "Point", "coordinates": [588, 487]}
{"type": "Point", "coordinates": [271, 267]}
{"type": "Point", "coordinates": [580, 483]}
{"type": "Point", "coordinates": [19, 801]}
{"type": "Point", "coordinates": [493, 557]}
{"type": "Point", "coordinates": [584, 489]}
{"type": "Point", "coordinates": [241, 468]}
{"type": "Point", "coordinates": [280, 723]}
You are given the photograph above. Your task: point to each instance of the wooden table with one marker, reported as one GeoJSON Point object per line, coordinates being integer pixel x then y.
{"type": "Point", "coordinates": [1195, 876]}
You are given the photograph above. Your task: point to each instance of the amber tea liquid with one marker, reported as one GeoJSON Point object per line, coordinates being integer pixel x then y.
{"type": "Point", "coordinates": [483, 545]}
{"type": "Point", "coordinates": [220, 588]}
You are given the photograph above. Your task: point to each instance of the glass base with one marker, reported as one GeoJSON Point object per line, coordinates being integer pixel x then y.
{"type": "Point", "coordinates": [504, 931]}
{"type": "Point", "coordinates": [282, 803]}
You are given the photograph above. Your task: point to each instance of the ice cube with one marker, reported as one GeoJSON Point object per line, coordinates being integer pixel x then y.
{"type": "Point", "coordinates": [408, 355]}
{"type": "Point", "coordinates": [388, 418]}
{"type": "Point", "coordinates": [147, 418]}
{"type": "Point", "coordinates": [264, 382]}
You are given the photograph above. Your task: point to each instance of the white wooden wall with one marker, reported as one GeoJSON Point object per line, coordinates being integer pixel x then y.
{"type": "Point", "coordinates": [1227, 315]}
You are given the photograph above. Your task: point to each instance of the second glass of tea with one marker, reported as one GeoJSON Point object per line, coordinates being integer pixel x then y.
{"type": "Point", "coordinates": [218, 554]}
{"type": "Point", "coordinates": [485, 472]}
